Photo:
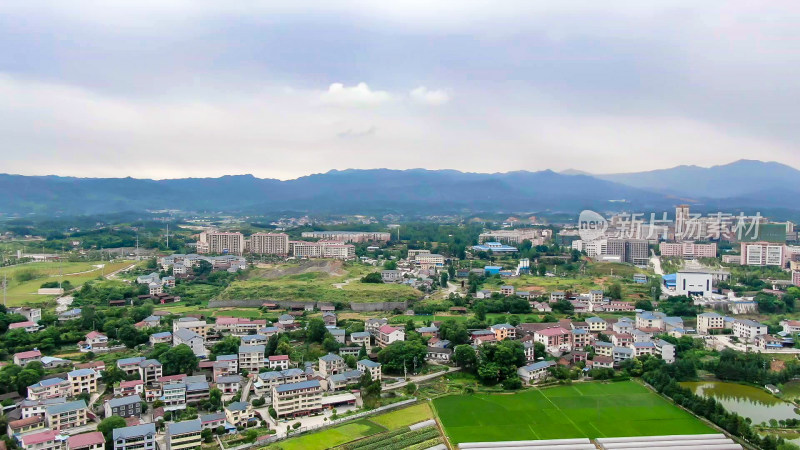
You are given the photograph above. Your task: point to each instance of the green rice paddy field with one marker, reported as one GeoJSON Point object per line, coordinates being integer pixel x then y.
{"type": "Point", "coordinates": [588, 410]}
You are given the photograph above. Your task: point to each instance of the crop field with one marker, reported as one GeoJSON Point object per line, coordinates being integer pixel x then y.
{"type": "Point", "coordinates": [341, 284]}
{"type": "Point", "coordinates": [589, 410]}
{"type": "Point", "coordinates": [24, 280]}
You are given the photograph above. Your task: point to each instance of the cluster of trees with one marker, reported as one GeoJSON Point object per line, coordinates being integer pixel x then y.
{"type": "Point", "coordinates": [679, 305]}
{"type": "Point", "coordinates": [372, 277]}
{"type": "Point", "coordinates": [502, 304]}
{"type": "Point", "coordinates": [750, 367]}
{"type": "Point", "coordinates": [493, 363]}
{"type": "Point", "coordinates": [14, 378]}
{"type": "Point", "coordinates": [403, 356]}
{"type": "Point", "coordinates": [771, 304]}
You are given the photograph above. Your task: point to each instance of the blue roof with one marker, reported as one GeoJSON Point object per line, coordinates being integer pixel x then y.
{"type": "Point", "coordinates": [294, 386]}
{"type": "Point", "coordinates": [121, 401]}
{"type": "Point", "coordinates": [330, 357]}
{"type": "Point", "coordinates": [163, 334]}
{"type": "Point", "coordinates": [82, 372]}
{"type": "Point", "coordinates": [227, 357]}
{"type": "Point", "coordinates": [66, 407]}
{"type": "Point", "coordinates": [134, 360]}
{"type": "Point", "coordinates": [252, 348]}
{"type": "Point", "coordinates": [188, 426]}
{"type": "Point", "coordinates": [369, 363]}
{"type": "Point", "coordinates": [48, 382]}
{"type": "Point", "coordinates": [134, 431]}
{"type": "Point", "coordinates": [360, 334]}
{"type": "Point", "coordinates": [538, 365]}
{"type": "Point", "coordinates": [238, 406]}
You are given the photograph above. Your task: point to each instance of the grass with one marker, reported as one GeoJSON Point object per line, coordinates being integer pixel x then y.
{"type": "Point", "coordinates": [791, 390]}
{"type": "Point", "coordinates": [404, 417]}
{"type": "Point", "coordinates": [24, 292]}
{"type": "Point", "coordinates": [319, 286]}
{"type": "Point", "coordinates": [588, 410]}
{"type": "Point", "coordinates": [331, 437]}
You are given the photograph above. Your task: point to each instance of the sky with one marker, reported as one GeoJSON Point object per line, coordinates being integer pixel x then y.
{"type": "Point", "coordinates": [194, 88]}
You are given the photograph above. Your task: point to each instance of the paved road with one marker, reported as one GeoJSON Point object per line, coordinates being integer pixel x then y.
{"type": "Point", "coordinates": [246, 389]}
{"type": "Point", "coordinates": [656, 262]}
{"type": "Point", "coordinates": [419, 378]}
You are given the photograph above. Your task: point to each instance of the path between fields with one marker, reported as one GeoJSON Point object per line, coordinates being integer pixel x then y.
{"type": "Point", "coordinates": [345, 283]}
{"type": "Point", "coordinates": [420, 378]}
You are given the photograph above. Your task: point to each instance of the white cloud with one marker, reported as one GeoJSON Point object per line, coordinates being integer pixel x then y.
{"type": "Point", "coordinates": [358, 95]}
{"type": "Point", "coordinates": [429, 97]}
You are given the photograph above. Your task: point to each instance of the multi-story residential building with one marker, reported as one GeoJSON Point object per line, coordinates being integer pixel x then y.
{"type": "Point", "coordinates": [239, 326]}
{"type": "Point", "coordinates": [83, 381]}
{"type": "Point", "coordinates": [322, 249]}
{"type": "Point", "coordinates": [125, 388]}
{"type": "Point", "coordinates": [504, 331]}
{"type": "Point", "coordinates": [622, 339]}
{"type": "Point", "coordinates": [623, 325]}
{"type": "Point", "coordinates": [349, 236]}
{"type": "Point", "coordinates": [269, 244]}
{"type": "Point", "coordinates": [139, 437]}
{"type": "Point", "coordinates": [643, 348]}
{"type": "Point", "coordinates": [360, 338]}
{"type": "Point", "coordinates": [150, 370]}
{"type": "Point", "coordinates": [649, 319]}
{"type": "Point", "coordinates": [665, 350]}
{"type": "Point", "coordinates": [23, 358]}
{"type": "Point", "coordinates": [429, 261]}
{"type": "Point", "coordinates": [190, 323]}
{"type": "Point", "coordinates": [87, 441]}
{"type": "Point", "coordinates": [534, 372]}
{"type": "Point", "coordinates": [580, 338]}
{"type": "Point", "coordinates": [130, 406]}
{"type": "Point", "coordinates": [343, 379]}
{"type": "Point", "coordinates": [22, 427]}
{"type": "Point", "coordinates": [412, 253]}
{"type": "Point", "coordinates": [391, 276]}
{"type": "Point", "coordinates": [790, 326]}
{"type": "Point", "coordinates": [220, 242]}
{"type": "Point", "coordinates": [43, 440]}
{"type": "Point", "coordinates": [331, 364]}
{"type": "Point", "coordinates": [596, 324]}
{"type": "Point", "coordinates": [255, 339]}
{"type": "Point", "coordinates": [240, 414]}
{"type": "Point", "coordinates": [251, 357]}
{"type": "Point", "coordinates": [190, 338]}
{"type": "Point", "coordinates": [620, 354]}
{"type": "Point", "coordinates": [229, 384]}
{"type": "Point", "coordinates": [710, 323]}
{"type": "Point", "coordinates": [763, 254]}
{"type": "Point", "coordinates": [50, 388]}
{"type": "Point", "coordinates": [174, 396]}
{"type": "Point", "coordinates": [296, 399]}
{"type": "Point", "coordinates": [268, 380]}
{"type": "Point", "coordinates": [212, 421]}
{"type": "Point", "coordinates": [554, 339]}
{"type": "Point", "coordinates": [66, 415]}
{"type": "Point", "coordinates": [388, 334]}
{"type": "Point", "coordinates": [33, 408]}
{"type": "Point", "coordinates": [130, 365]}
{"type": "Point", "coordinates": [687, 250]}
{"type": "Point", "coordinates": [374, 368]}
{"type": "Point", "coordinates": [748, 329]}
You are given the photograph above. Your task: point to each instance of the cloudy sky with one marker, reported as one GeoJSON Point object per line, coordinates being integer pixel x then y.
{"type": "Point", "coordinates": [168, 89]}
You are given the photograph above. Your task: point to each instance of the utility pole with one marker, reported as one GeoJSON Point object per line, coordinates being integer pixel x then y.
{"type": "Point", "coordinates": [5, 282]}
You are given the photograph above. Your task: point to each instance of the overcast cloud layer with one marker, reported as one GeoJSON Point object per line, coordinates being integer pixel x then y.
{"type": "Point", "coordinates": [283, 89]}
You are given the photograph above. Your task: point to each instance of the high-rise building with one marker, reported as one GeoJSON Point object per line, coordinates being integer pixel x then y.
{"type": "Point", "coordinates": [681, 216]}
{"type": "Point", "coordinates": [688, 250]}
{"type": "Point", "coordinates": [763, 254]}
{"type": "Point", "coordinates": [220, 242]}
{"type": "Point", "coordinates": [269, 244]}
{"type": "Point", "coordinates": [637, 252]}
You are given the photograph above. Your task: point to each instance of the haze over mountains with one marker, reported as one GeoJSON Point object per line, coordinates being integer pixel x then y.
{"type": "Point", "coordinates": [742, 184]}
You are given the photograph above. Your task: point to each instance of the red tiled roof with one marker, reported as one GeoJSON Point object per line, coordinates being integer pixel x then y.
{"type": "Point", "coordinates": [554, 331]}
{"type": "Point", "coordinates": [133, 383]}
{"type": "Point", "coordinates": [25, 324]}
{"type": "Point", "coordinates": [23, 422]}
{"type": "Point", "coordinates": [38, 438]}
{"type": "Point", "coordinates": [94, 334]}
{"type": "Point", "coordinates": [86, 439]}
{"type": "Point", "coordinates": [279, 358]}
{"type": "Point", "coordinates": [387, 329]}
{"type": "Point", "coordinates": [179, 376]}
{"type": "Point", "coordinates": [26, 355]}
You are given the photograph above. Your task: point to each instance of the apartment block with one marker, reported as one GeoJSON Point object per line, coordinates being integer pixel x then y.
{"type": "Point", "coordinates": [83, 381]}
{"type": "Point", "coordinates": [296, 399]}
{"type": "Point", "coordinates": [710, 323]}
{"type": "Point", "coordinates": [687, 250]}
{"type": "Point", "coordinates": [139, 437]}
{"type": "Point", "coordinates": [251, 357]}
{"type": "Point", "coordinates": [349, 236]}
{"type": "Point", "coordinates": [66, 415]}
{"type": "Point", "coordinates": [184, 435]}
{"type": "Point", "coordinates": [763, 254]}
{"type": "Point", "coordinates": [269, 244]}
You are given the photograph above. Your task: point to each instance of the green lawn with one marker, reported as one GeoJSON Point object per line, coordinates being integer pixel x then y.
{"type": "Point", "coordinates": [331, 437]}
{"type": "Point", "coordinates": [581, 410]}
{"type": "Point", "coordinates": [404, 417]}
{"type": "Point", "coordinates": [21, 291]}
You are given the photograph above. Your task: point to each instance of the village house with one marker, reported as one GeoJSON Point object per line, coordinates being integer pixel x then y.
{"type": "Point", "coordinates": [534, 372]}
{"type": "Point", "coordinates": [129, 406]}
{"type": "Point", "coordinates": [331, 364]}
{"type": "Point", "coordinates": [374, 368]}
{"type": "Point", "coordinates": [278, 362]}
{"type": "Point", "coordinates": [66, 415]}
{"type": "Point", "coordinates": [240, 414]}
{"type": "Point", "coordinates": [388, 334]}
{"type": "Point", "coordinates": [138, 437]}
{"type": "Point", "coordinates": [184, 435]}
{"type": "Point", "coordinates": [251, 357]}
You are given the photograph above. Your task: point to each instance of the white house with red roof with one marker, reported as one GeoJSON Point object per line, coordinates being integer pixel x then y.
{"type": "Point", "coordinates": [388, 334]}
{"type": "Point", "coordinates": [94, 341]}
{"type": "Point", "coordinates": [28, 326]}
{"type": "Point", "coordinates": [278, 362]}
{"type": "Point", "coordinates": [23, 358]}
{"type": "Point", "coordinates": [127, 388]}
{"type": "Point", "coordinates": [44, 440]}
{"type": "Point", "coordinates": [87, 441]}
{"type": "Point", "coordinates": [555, 339]}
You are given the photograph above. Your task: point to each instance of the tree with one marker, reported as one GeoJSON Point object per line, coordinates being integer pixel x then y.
{"type": "Point", "coordinates": [207, 435]}
{"type": "Point", "coordinates": [464, 356]}
{"type": "Point", "coordinates": [373, 277]}
{"type": "Point", "coordinates": [228, 346]}
{"type": "Point", "coordinates": [330, 344]}
{"type": "Point", "coordinates": [400, 353]}
{"type": "Point", "coordinates": [350, 360]}
{"type": "Point", "coordinates": [107, 427]}
{"type": "Point", "coordinates": [362, 353]}
{"type": "Point", "coordinates": [215, 398]}
{"type": "Point", "coordinates": [410, 388]}
{"type": "Point", "coordinates": [390, 265]}
{"type": "Point", "coordinates": [615, 291]}
{"type": "Point", "coordinates": [316, 331]}
{"type": "Point", "coordinates": [443, 279]}
{"type": "Point", "coordinates": [480, 311]}
{"type": "Point", "coordinates": [180, 359]}
{"type": "Point", "coordinates": [645, 305]}
{"type": "Point", "coordinates": [455, 332]}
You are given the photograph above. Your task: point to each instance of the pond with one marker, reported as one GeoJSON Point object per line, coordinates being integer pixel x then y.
{"type": "Point", "coordinates": [747, 401]}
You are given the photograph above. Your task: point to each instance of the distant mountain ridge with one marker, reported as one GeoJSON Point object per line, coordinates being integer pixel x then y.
{"type": "Point", "coordinates": [414, 191]}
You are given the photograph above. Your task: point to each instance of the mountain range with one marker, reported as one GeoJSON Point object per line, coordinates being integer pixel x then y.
{"type": "Point", "coordinates": [742, 184]}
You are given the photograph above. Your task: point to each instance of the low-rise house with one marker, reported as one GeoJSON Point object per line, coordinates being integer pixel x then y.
{"type": "Point", "coordinates": [130, 406]}
{"type": "Point", "coordinates": [139, 437]}
{"type": "Point", "coordinates": [555, 340]}
{"type": "Point", "coordinates": [174, 396]}
{"type": "Point", "coordinates": [66, 415]}
{"type": "Point", "coordinates": [278, 362]}
{"type": "Point", "coordinates": [213, 421]}
{"type": "Point", "coordinates": [580, 338]}
{"type": "Point", "coordinates": [427, 331]}
{"type": "Point", "coordinates": [230, 361]}
{"type": "Point", "coordinates": [150, 370]}
{"type": "Point", "coordinates": [23, 358]}
{"type": "Point", "coordinates": [643, 348]}
{"type": "Point", "coordinates": [373, 325]}
{"type": "Point", "coordinates": [600, 362]}
{"type": "Point", "coordinates": [557, 296]}
{"type": "Point", "coordinates": [95, 341]}
{"type": "Point", "coordinates": [747, 330]}
{"type": "Point", "coordinates": [193, 324]}
{"type": "Point", "coordinates": [789, 326]}
{"type": "Point", "coordinates": [665, 350]}
{"type": "Point", "coordinates": [351, 351]}
{"type": "Point", "coordinates": [374, 368]}
{"type": "Point", "coordinates": [391, 276]}
{"type": "Point", "coordinates": [529, 349]}
{"type": "Point", "coordinates": [43, 440]}
{"type": "Point", "coordinates": [83, 381]}
{"type": "Point", "coordinates": [603, 348]}
{"type": "Point", "coordinates": [126, 388]}
{"type": "Point", "coordinates": [27, 326]}
{"type": "Point", "coordinates": [534, 372]}
{"type": "Point", "coordinates": [251, 357]}
{"type": "Point", "coordinates": [507, 290]}
{"type": "Point", "coordinates": [297, 399]}
{"type": "Point", "coordinates": [87, 441]}
{"type": "Point", "coordinates": [286, 319]}
{"type": "Point", "coordinates": [765, 341]}
{"type": "Point", "coordinates": [329, 318]}
{"type": "Point", "coordinates": [331, 364]}
{"type": "Point", "coordinates": [239, 326]}
{"type": "Point", "coordinates": [621, 339]}
{"type": "Point", "coordinates": [229, 384]}
{"type": "Point", "coordinates": [72, 314]}
{"type": "Point", "coordinates": [648, 319]}
{"type": "Point", "coordinates": [51, 362]}
{"type": "Point", "coordinates": [480, 337]}
{"type": "Point", "coordinates": [388, 334]}
{"type": "Point", "coordinates": [49, 388]}
{"type": "Point", "coordinates": [240, 414]}
{"type": "Point", "coordinates": [22, 427]}
{"type": "Point", "coordinates": [164, 337]}
{"type": "Point", "coordinates": [254, 339]}
{"type": "Point", "coordinates": [98, 366]}
{"type": "Point", "coordinates": [483, 293]}
{"type": "Point", "coordinates": [32, 314]}
{"type": "Point", "coordinates": [596, 324]}
{"type": "Point", "coordinates": [342, 380]}
{"type": "Point", "coordinates": [620, 354]}
{"type": "Point", "coordinates": [338, 334]}
{"type": "Point", "coordinates": [197, 389]}
{"type": "Point", "coordinates": [623, 326]}
{"type": "Point", "coordinates": [360, 338]}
